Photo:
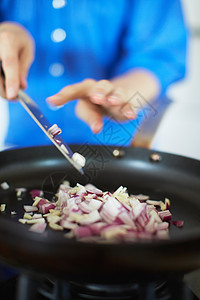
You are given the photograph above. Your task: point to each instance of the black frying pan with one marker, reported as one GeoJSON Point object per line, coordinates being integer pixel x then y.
{"type": "Point", "coordinates": [175, 177]}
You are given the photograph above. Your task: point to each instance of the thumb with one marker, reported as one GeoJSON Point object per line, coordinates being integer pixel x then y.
{"type": "Point", "coordinates": [90, 114]}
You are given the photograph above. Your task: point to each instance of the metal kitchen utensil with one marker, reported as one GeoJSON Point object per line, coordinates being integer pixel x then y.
{"type": "Point", "coordinates": [32, 108]}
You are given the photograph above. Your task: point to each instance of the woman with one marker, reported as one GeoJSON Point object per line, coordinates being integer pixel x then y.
{"type": "Point", "coordinates": [104, 53]}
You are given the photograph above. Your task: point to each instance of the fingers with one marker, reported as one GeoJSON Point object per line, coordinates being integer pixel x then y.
{"type": "Point", "coordinates": [9, 57]}
{"type": "Point", "coordinates": [16, 54]}
{"type": "Point", "coordinates": [99, 91]}
{"type": "Point", "coordinates": [90, 114]}
{"type": "Point", "coordinates": [10, 65]}
{"type": "Point", "coordinates": [96, 99]}
{"type": "Point", "coordinates": [122, 113]}
{"type": "Point", "coordinates": [71, 92]}
{"type": "Point", "coordinates": [115, 102]}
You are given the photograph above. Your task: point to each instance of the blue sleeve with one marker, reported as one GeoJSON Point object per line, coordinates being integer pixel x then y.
{"type": "Point", "coordinates": [155, 39]}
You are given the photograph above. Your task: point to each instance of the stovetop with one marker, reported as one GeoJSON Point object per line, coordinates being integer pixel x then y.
{"type": "Point", "coordinates": [21, 287]}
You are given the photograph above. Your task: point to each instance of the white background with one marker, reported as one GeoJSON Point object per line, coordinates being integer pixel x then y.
{"type": "Point", "coordinates": [179, 131]}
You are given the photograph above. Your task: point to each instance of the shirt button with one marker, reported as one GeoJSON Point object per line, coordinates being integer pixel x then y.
{"type": "Point", "coordinates": [58, 3]}
{"type": "Point", "coordinates": [58, 35]}
{"type": "Point", "coordinates": [56, 69]}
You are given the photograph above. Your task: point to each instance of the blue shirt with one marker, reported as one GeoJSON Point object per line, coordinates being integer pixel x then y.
{"type": "Point", "coordinates": [93, 39]}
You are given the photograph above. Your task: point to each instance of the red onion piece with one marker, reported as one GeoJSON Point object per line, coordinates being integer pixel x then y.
{"type": "Point", "coordinates": [36, 193]}
{"type": "Point", "coordinates": [165, 215]}
{"type": "Point", "coordinates": [46, 207]}
{"type": "Point", "coordinates": [54, 130]}
{"type": "Point", "coordinates": [178, 223]}
{"type": "Point", "coordinates": [38, 227]}
{"type": "Point", "coordinates": [82, 231]}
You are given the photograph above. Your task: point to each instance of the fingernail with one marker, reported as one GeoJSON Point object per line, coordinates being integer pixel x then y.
{"type": "Point", "coordinates": [50, 100]}
{"type": "Point", "coordinates": [97, 97]}
{"type": "Point", "coordinates": [11, 93]}
{"type": "Point", "coordinates": [113, 99]}
{"type": "Point", "coordinates": [54, 107]}
{"type": "Point", "coordinates": [129, 114]}
{"type": "Point", "coordinates": [96, 127]}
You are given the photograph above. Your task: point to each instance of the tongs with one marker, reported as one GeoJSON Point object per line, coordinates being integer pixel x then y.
{"type": "Point", "coordinates": [76, 159]}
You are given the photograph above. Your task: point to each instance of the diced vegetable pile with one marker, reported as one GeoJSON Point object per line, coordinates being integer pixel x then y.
{"type": "Point", "coordinates": [89, 214]}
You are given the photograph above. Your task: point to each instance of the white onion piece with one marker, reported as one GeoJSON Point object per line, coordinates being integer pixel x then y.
{"type": "Point", "coordinates": [55, 226]}
{"type": "Point", "coordinates": [5, 185]}
{"type": "Point", "coordinates": [3, 207]}
{"type": "Point", "coordinates": [151, 225]}
{"type": "Point", "coordinates": [113, 231]}
{"type": "Point", "coordinates": [79, 159]}
{"type": "Point", "coordinates": [155, 215]}
{"type": "Point", "coordinates": [29, 208]}
{"type": "Point", "coordinates": [34, 221]}
{"type": "Point", "coordinates": [126, 219]}
{"type": "Point", "coordinates": [67, 225]}
{"type": "Point", "coordinates": [13, 212]}
{"type": "Point", "coordinates": [37, 216]}
{"type": "Point", "coordinates": [90, 218]}
{"type": "Point", "coordinates": [22, 221]}
{"type": "Point", "coordinates": [27, 216]}
{"type": "Point", "coordinates": [20, 191]}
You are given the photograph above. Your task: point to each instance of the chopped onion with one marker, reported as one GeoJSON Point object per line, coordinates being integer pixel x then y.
{"type": "Point", "coordinates": [55, 226]}
{"type": "Point", "coordinates": [178, 223]}
{"type": "Point", "coordinates": [13, 212]}
{"type": "Point", "coordinates": [165, 215]}
{"type": "Point", "coordinates": [3, 207]}
{"type": "Point", "coordinates": [38, 227]}
{"type": "Point", "coordinates": [22, 221]}
{"type": "Point", "coordinates": [54, 130]}
{"type": "Point", "coordinates": [20, 191]}
{"type": "Point", "coordinates": [142, 197]}
{"type": "Point", "coordinates": [82, 231]}
{"type": "Point", "coordinates": [29, 208]}
{"type": "Point", "coordinates": [5, 185]}
{"type": "Point", "coordinates": [36, 193]}
{"type": "Point", "coordinates": [27, 216]}
{"type": "Point", "coordinates": [91, 215]}
{"type": "Point", "coordinates": [79, 159]}
{"type": "Point", "coordinates": [37, 216]}
{"type": "Point", "coordinates": [34, 221]}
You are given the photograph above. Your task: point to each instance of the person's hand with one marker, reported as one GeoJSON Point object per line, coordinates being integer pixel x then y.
{"type": "Point", "coordinates": [96, 99]}
{"type": "Point", "coordinates": [16, 54]}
